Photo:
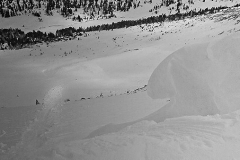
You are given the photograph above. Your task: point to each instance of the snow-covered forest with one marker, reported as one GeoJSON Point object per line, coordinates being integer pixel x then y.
{"type": "Point", "coordinates": [119, 79]}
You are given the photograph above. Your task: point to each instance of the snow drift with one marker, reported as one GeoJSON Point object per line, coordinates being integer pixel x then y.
{"type": "Point", "coordinates": [188, 138]}
{"type": "Point", "coordinates": [194, 137]}
{"type": "Point", "coordinates": [201, 79]}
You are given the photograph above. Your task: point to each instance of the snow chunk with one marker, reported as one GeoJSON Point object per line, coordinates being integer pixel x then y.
{"type": "Point", "coordinates": [201, 79]}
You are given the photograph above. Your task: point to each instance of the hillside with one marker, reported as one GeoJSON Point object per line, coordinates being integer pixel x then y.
{"type": "Point", "coordinates": [27, 23]}
{"type": "Point", "coordinates": [117, 87]}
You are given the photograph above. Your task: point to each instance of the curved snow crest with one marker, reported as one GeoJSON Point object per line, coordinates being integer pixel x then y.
{"type": "Point", "coordinates": [191, 137]}
{"type": "Point", "coordinates": [194, 137]}
{"type": "Point", "coordinates": [201, 79]}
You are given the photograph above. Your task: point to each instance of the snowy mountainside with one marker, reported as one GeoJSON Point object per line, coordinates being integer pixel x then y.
{"type": "Point", "coordinates": [195, 137]}
{"type": "Point", "coordinates": [200, 79]}
{"type": "Point", "coordinates": [90, 85]}
{"type": "Point", "coordinates": [200, 76]}
{"type": "Point", "coordinates": [27, 21]}
{"type": "Point", "coordinates": [182, 129]}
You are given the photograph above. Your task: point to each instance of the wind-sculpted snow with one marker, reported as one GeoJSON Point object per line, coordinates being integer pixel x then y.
{"type": "Point", "coordinates": [201, 79]}
{"type": "Point", "coordinates": [197, 137]}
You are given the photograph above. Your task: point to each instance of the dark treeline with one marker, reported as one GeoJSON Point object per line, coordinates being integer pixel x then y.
{"type": "Point", "coordinates": [16, 39]}
{"type": "Point", "coordinates": [154, 19]}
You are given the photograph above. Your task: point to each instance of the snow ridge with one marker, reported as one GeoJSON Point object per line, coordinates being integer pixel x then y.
{"type": "Point", "coordinates": [201, 79]}
{"type": "Point", "coordinates": [196, 137]}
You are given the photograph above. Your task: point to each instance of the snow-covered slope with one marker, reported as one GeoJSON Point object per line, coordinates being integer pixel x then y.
{"type": "Point", "coordinates": [189, 138]}
{"type": "Point", "coordinates": [188, 77]}
{"type": "Point", "coordinates": [203, 138]}
{"type": "Point", "coordinates": [199, 79]}
{"type": "Point", "coordinates": [112, 64]}
{"type": "Point", "coordinates": [27, 22]}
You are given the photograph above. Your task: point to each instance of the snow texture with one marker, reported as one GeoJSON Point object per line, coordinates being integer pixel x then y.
{"type": "Point", "coordinates": [196, 137]}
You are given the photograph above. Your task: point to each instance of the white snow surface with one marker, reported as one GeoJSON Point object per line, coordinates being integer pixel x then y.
{"type": "Point", "coordinates": [201, 82]}
{"type": "Point", "coordinates": [201, 121]}
{"type": "Point", "coordinates": [189, 138]}
{"type": "Point", "coordinates": [205, 138]}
